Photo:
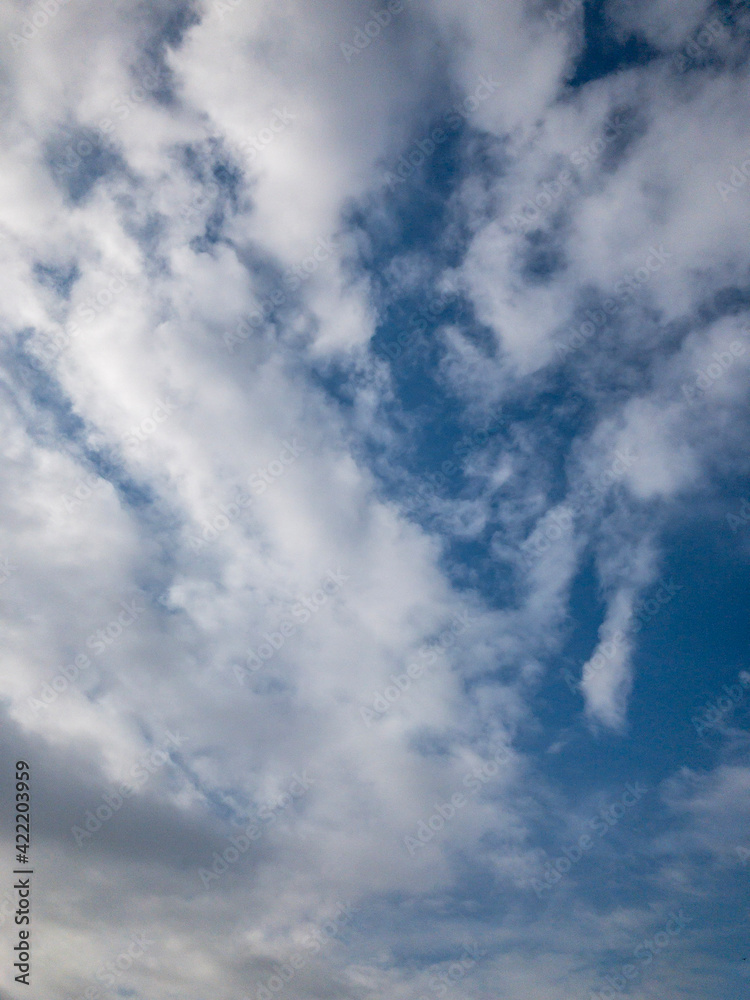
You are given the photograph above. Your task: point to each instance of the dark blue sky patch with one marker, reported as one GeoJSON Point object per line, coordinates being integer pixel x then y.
{"type": "Point", "coordinates": [728, 301]}
{"type": "Point", "coordinates": [469, 567]}
{"type": "Point", "coordinates": [603, 366]}
{"type": "Point", "coordinates": [596, 361]}
{"type": "Point", "coordinates": [621, 133]}
{"type": "Point", "coordinates": [59, 278]}
{"type": "Point", "coordinates": [229, 178]}
{"type": "Point", "coordinates": [586, 610]}
{"type": "Point", "coordinates": [430, 470]}
{"type": "Point", "coordinates": [135, 495]}
{"type": "Point", "coordinates": [409, 339]}
{"type": "Point", "coordinates": [410, 211]}
{"type": "Point", "coordinates": [543, 258]}
{"type": "Point", "coordinates": [726, 44]}
{"type": "Point", "coordinates": [152, 80]}
{"type": "Point", "coordinates": [163, 25]}
{"type": "Point", "coordinates": [78, 158]}
{"type": "Point", "coordinates": [171, 20]}
{"type": "Point", "coordinates": [604, 52]}
{"type": "Point", "coordinates": [208, 162]}
{"type": "Point", "coordinates": [221, 182]}
{"type": "Point", "coordinates": [414, 228]}
{"type": "Point", "coordinates": [53, 415]}
{"type": "Point", "coordinates": [212, 232]}
{"type": "Point", "coordinates": [685, 651]}
{"type": "Point", "coordinates": [147, 229]}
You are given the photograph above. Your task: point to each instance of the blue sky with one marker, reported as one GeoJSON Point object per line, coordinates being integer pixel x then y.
{"type": "Point", "coordinates": [375, 505]}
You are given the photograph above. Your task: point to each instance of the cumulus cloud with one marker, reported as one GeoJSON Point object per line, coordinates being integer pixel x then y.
{"type": "Point", "coordinates": [330, 439]}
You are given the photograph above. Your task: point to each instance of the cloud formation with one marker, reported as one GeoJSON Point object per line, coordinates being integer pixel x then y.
{"type": "Point", "coordinates": [374, 396]}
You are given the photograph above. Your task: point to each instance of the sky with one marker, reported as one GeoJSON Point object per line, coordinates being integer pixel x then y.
{"type": "Point", "coordinates": [374, 499]}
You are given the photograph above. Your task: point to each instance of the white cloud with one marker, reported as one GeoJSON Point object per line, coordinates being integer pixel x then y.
{"type": "Point", "coordinates": [178, 170]}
